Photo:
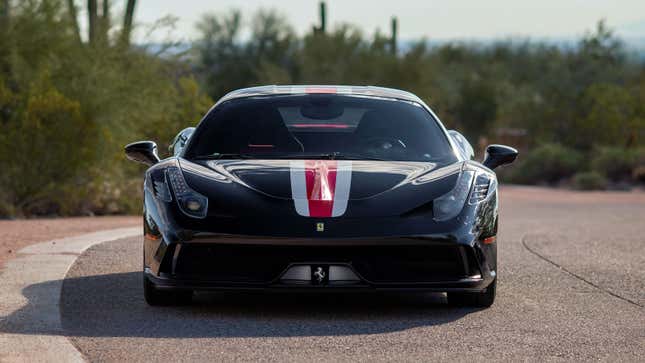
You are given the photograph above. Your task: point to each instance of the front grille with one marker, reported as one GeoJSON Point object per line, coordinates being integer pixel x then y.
{"type": "Point", "coordinates": [412, 263]}
{"type": "Point", "coordinates": [378, 264]}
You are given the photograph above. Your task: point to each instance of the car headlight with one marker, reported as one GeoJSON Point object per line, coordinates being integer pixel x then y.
{"type": "Point", "coordinates": [449, 205]}
{"type": "Point", "coordinates": [160, 188]}
{"type": "Point", "coordinates": [190, 202]}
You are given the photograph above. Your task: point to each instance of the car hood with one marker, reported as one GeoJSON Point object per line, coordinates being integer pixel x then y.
{"type": "Point", "coordinates": [321, 178]}
{"type": "Point", "coordinates": [319, 188]}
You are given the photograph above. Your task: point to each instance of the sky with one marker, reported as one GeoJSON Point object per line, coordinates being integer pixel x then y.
{"type": "Point", "coordinates": [447, 19]}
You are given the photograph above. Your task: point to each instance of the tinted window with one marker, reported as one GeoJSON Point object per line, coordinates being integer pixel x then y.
{"type": "Point", "coordinates": [320, 126]}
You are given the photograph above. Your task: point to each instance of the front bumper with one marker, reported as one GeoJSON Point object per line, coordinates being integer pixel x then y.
{"type": "Point", "coordinates": [216, 262]}
{"type": "Point", "coordinates": [464, 285]}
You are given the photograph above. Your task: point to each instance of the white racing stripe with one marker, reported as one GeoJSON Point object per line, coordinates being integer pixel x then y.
{"type": "Point", "coordinates": [343, 185]}
{"type": "Point", "coordinates": [299, 187]}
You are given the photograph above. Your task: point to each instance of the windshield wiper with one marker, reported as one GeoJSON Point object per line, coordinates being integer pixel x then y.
{"type": "Point", "coordinates": [353, 156]}
{"type": "Point", "coordinates": [323, 156]}
{"type": "Point", "coordinates": [217, 156]}
{"type": "Point", "coordinates": [327, 156]}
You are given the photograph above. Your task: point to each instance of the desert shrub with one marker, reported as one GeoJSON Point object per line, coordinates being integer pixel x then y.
{"type": "Point", "coordinates": [46, 150]}
{"type": "Point", "coordinates": [614, 163]}
{"type": "Point", "coordinates": [67, 108]}
{"type": "Point", "coordinates": [589, 180]}
{"type": "Point", "coordinates": [6, 208]}
{"type": "Point", "coordinates": [639, 174]}
{"type": "Point", "coordinates": [548, 163]}
{"type": "Point", "coordinates": [611, 116]}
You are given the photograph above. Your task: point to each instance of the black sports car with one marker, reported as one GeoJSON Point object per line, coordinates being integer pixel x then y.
{"type": "Point", "coordinates": [320, 188]}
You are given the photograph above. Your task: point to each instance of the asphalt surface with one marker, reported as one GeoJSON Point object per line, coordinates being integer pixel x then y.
{"type": "Point", "coordinates": [571, 287]}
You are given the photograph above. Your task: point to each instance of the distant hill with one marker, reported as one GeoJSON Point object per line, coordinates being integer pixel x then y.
{"type": "Point", "coordinates": [631, 36]}
{"type": "Point", "coordinates": [635, 45]}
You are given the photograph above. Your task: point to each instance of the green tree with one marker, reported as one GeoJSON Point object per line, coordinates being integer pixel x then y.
{"type": "Point", "coordinates": [226, 63]}
{"type": "Point", "coordinates": [68, 109]}
{"type": "Point", "coordinates": [41, 162]}
{"type": "Point", "coordinates": [611, 117]}
{"type": "Point", "coordinates": [477, 109]}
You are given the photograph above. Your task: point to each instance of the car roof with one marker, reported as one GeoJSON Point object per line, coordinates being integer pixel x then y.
{"type": "Point", "coordinates": [370, 91]}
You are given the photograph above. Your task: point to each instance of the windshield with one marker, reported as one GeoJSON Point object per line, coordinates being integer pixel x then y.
{"type": "Point", "coordinates": [320, 126]}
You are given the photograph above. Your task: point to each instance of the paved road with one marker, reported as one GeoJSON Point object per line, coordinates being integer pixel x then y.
{"type": "Point", "coordinates": [572, 287]}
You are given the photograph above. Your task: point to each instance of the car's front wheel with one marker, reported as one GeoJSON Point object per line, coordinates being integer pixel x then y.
{"type": "Point", "coordinates": [481, 299]}
{"type": "Point", "coordinates": [156, 297]}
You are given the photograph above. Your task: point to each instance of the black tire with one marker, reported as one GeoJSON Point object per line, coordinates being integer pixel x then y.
{"type": "Point", "coordinates": [155, 297]}
{"type": "Point", "coordinates": [481, 299]}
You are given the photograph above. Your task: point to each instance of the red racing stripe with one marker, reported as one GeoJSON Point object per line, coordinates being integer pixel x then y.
{"type": "Point", "coordinates": [320, 90]}
{"type": "Point", "coordinates": [320, 176]}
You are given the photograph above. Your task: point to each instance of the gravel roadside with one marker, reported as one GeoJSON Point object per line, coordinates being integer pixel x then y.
{"type": "Point", "coordinates": [17, 234]}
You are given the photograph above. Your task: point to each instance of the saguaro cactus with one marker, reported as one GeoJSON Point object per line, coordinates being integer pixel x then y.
{"type": "Point", "coordinates": [395, 31]}
{"type": "Point", "coordinates": [4, 12]}
{"type": "Point", "coordinates": [71, 8]}
{"type": "Point", "coordinates": [323, 19]}
{"type": "Point", "coordinates": [92, 16]}
{"type": "Point", "coordinates": [127, 21]}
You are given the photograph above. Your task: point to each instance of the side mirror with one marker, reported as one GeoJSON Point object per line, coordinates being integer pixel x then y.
{"type": "Point", "coordinates": [463, 145]}
{"type": "Point", "coordinates": [497, 155]}
{"type": "Point", "coordinates": [180, 141]}
{"type": "Point", "coordinates": [143, 152]}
